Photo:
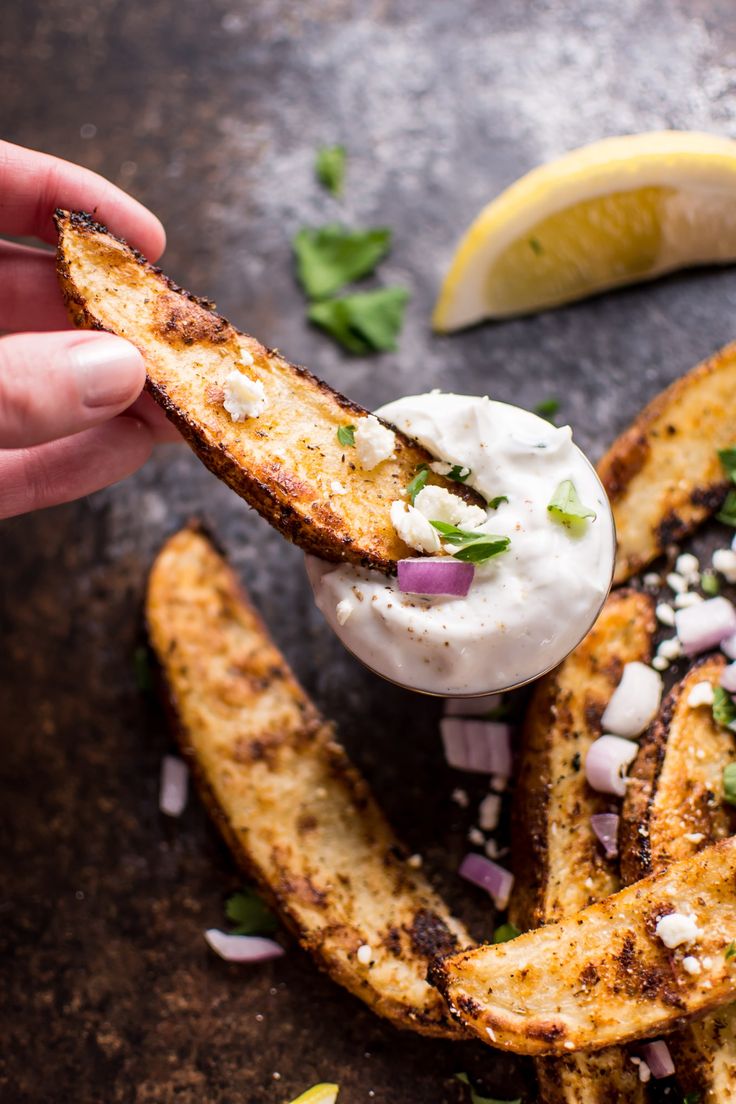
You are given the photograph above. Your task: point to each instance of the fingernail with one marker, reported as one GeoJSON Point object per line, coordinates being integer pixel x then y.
{"type": "Point", "coordinates": [109, 371]}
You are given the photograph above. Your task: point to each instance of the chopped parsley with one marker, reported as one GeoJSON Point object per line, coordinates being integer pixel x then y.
{"type": "Point", "coordinates": [367, 322]}
{"type": "Point", "coordinates": [565, 505]}
{"type": "Point", "coordinates": [505, 932]}
{"type": "Point", "coordinates": [476, 1098]}
{"type": "Point", "coordinates": [536, 246]}
{"type": "Point", "coordinates": [547, 408]}
{"type": "Point", "coordinates": [496, 502]}
{"type": "Point", "coordinates": [475, 548]}
{"type": "Point", "coordinates": [329, 168]}
{"type": "Point", "coordinates": [727, 513]}
{"type": "Point", "coordinates": [724, 709]}
{"type": "Point", "coordinates": [249, 913]}
{"type": "Point", "coordinates": [328, 257]}
{"type": "Point", "coordinates": [730, 951]}
{"type": "Point", "coordinates": [142, 670]}
{"type": "Point", "coordinates": [692, 1098]}
{"type": "Point", "coordinates": [458, 473]}
{"type": "Point", "coordinates": [418, 482]}
{"type": "Point", "coordinates": [709, 583]}
{"type": "Point", "coordinates": [346, 436]}
{"type": "Point", "coordinates": [729, 783]}
{"type": "Point", "coordinates": [727, 457]}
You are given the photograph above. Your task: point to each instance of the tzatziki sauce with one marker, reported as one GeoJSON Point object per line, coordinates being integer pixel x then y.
{"type": "Point", "coordinates": [526, 608]}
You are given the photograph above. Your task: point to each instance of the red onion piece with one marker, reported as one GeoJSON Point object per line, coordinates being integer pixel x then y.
{"type": "Point", "coordinates": [657, 1056]}
{"type": "Point", "coordinates": [728, 646]}
{"type": "Point", "coordinates": [605, 764]}
{"type": "Point", "coordinates": [728, 678]}
{"type": "Point", "coordinates": [174, 787]}
{"type": "Point", "coordinates": [605, 826]}
{"type": "Point", "coordinates": [242, 948]}
{"type": "Point", "coordinates": [482, 746]}
{"type": "Point", "coordinates": [634, 702]}
{"type": "Point", "coordinates": [427, 575]}
{"type": "Point", "coordinates": [704, 626]}
{"type": "Point", "coordinates": [472, 707]}
{"type": "Point", "coordinates": [495, 879]}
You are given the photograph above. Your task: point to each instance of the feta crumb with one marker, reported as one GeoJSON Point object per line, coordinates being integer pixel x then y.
{"type": "Point", "coordinates": [659, 663]}
{"type": "Point", "coordinates": [701, 694]}
{"type": "Point", "coordinates": [676, 582]}
{"type": "Point", "coordinates": [244, 397]}
{"type": "Point", "coordinates": [670, 649]}
{"type": "Point", "coordinates": [691, 598]}
{"type": "Point", "coordinates": [337, 488]}
{"type": "Point", "coordinates": [688, 566]}
{"type": "Point", "coordinates": [437, 504]}
{"type": "Point", "coordinates": [414, 861]}
{"type": "Point", "coordinates": [569, 1045]}
{"type": "Point", "coordinates": [694, 837]}
{"type": "Point", "coordinates": [644, 1072]}
{"type": "Point", "coordinates": [588, 883]}
{"type": "Point", "coordinates": [499, 783]}
{"type": "Point", "coordinates": [491, 849]}
{"type": "Point", "coordinates": [489, 812]}
{"type": "Point", "coordinates": [724, 561]}
{"type": "Point", "coordinates": [343, 609]}
{"type": "Point", "coordinates": [475, 836]}
{"type": "Point", "coordinates": [665, 614]}
{"type": "Point", "coordinates": [374, 442]}
{"type": "Point", "coordinates": [364, 954]}
{"type": "Point", "coordinates": [707, 963]}
{"type": "Point", "coordinates": [460, 797]}
{"type": "Point", "coordinates": [413, 527]}
{"type": "Point", "coordinates": [677, 928]}
{"type": "Point", "coordinates": [491, 1034]}
{"type": "Point", "coordinates": [691, 965]}
{"type": "Point", "coordinates": [441, 467]}
{"type": "Point", "coordinates": [651, 579]}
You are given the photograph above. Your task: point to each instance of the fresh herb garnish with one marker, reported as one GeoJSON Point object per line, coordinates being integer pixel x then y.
{"type": "Point", "coordinates": [692, 1098]}
{"type": "Point", "coordinates": [547, 408]}
{"type": "Point", "coordinates": [565, 505]}
{"type": "Point", "coordinates": [366, 322]}
{"type": "Point", "coordinates": [346, 436]}
{"type": "Point", "coordinates": [727, 512]}
{"type": "Point", "coordinates": [536, 246]}
{"type": "Point", "coordinates": [496, 502]}
{"type": "Point", "coordinates": [329, 257]}
{"type": "Point", "coordinates": [142, 670]}
{"type": "Point", "coordinates": [709, 583]}
{"type": "Point", "coordinates": [505, 932]}
{"type": "Point", "coordinates": [730, 950]}
{"type": "Point", "coordinates": [475, 548]}
{"type": "Point", "coordinates": [476, 1098]}
{"type": "Point", "coordinates": [727, 457]}
{"type": "Point", "coordinates": [329, 168]}
{"type": "Point", "coordinates": [724, 713]}
{"type": "Point", "coordinates": [458, 473]}
{"type": "Point", "coordinates": [249, 913]}
{"type": "Point", "coordinates": [729, 783]}
{"type": "Point", "coordinates": [418, 482]}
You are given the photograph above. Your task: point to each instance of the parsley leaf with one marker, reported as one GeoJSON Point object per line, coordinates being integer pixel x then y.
{"type": "Point", "coordinates": [419, 481]}
{"type": "Point", "coordinates": [458, 473]}
{"type": "Point", "coordinates": [727, 457]}
{"type": "Point", "coordinates": [330, 256]}
{"type": "Point", "coordinates": [476, 1098]}
{"type": "Point", "coordinates": [566, 507]}
{"type": "Point", "coordinates": [729, 784]}
{"type": "Point", "coordinates": [547, 408]}
{"type": "Point", "coordinates": [724, 713]}
{"type": "Point", "coordinates": [252, 917]}
{"type": "Point", "coordinates": [475, 548]}
{"type": "Point", "coordinates": [730, 951]}
{"type": "Point", "coordinates": [692, 1098]}
{"type": "Point", "coordinates": [709, 583]}
{"type": "Point", "coordinates": [728, 511]}
{"type": "Point", "coordinates": [142, 670]}
{"type": "Point", "coordinates": [346, 436]}
{"type": "Point", "coordinates": [535, 246]}
{"type": "Point", "coordinates": [329, 168]}
{"type": "Point", "coordinates": [366, 322]}
{"type": "Point", "coordinates": [496, 502]}
{"type": "Point", "coordinates": [505, 932]}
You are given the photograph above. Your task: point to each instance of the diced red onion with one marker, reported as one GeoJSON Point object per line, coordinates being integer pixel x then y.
{"type": "Point", "coordinates": [242, 948]}
{"type": "Point", "coordinates": [728, 646]}
{"type": "Point", "coordinates": [728, 678]}
{"type": "Point", "coordinates": [427, 575]}
{"type": "Point", "coordinates": [174, 786]}
{"type": "Point", "coordinates": [657, 1056]}
{"type": "Point", "coordinates": [482, 746]}
{"type": "Point", "coordinates": [605, 826]}
{"type": "Point", "coordinates": [472, 707]}
{"type": "Point", "coordinates": [605, 764]}
{"type": "Point", "coordinates": [704, 626]}
{"type": "Point", "coordinates": [634, 702]}
{"type": "Point", "coordinates": [495, 879]}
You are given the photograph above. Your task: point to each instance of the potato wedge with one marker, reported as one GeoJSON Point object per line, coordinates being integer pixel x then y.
{"type": "Point", "coordinates": [663, 475]}
{"type": "Point", "coordinates": [558, 863]}
{"type": "Point", "coordinates": [603, 976]}
{"type": "Point", "coordinates": [287, 461]}
{"type": "Point", "coordinates": [674, 807]}
{"type": "Point", "coordinates": [294, 812]}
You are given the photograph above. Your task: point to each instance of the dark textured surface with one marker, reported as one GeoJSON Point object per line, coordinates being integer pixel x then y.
{"type": "Point", "coordinates": [210, 113]}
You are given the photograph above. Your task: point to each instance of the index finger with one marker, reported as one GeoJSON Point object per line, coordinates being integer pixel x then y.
{"type": "Point", "coordinates": [33, 185]}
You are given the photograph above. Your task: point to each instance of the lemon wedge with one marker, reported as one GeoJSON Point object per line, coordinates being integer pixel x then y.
{"type": "Point", "coordinates": [318, 1094]}
{"type": "Point", "coordinates": [611, 213]}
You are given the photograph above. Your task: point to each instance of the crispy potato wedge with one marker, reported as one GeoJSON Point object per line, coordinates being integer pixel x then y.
{"type": "Point", "coordinates": [603, 976]}
{"type": "Point", "coordinates": [558, 863]}
{"type": "Point", "coordinates": [295, 813]}
{"type": "Point", "coordinates": [674, 807]}
{"type": "Point", "coordinates": [284, 462]}
{"type": "Point", "coordinates": [663, 475]}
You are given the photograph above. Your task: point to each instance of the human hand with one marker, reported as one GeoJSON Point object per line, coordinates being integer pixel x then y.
{"type": "Point", "coordinates": [72, 416]}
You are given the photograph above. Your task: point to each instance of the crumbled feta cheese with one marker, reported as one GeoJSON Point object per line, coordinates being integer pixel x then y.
{"type": "Point", "coordinates": [413, 527]}
{"type": "Point", "coordinates": [724, 561]}
{"type": "Point", "coordinates": [694, 837]}
{"type": "Point", "coordinates": [460, 797]}
{"type": "Point", "coordinates": [244, 397]}
{"type": "Point", "coordinates": [588, 883]}
{"type": "Point", "coordinates": [670, 649]}
{"type": "Point", "coordinates": [665, 614]}
{"type": "Point", "coordinates": [690, 598]}
{"type": "Point", "coordinates": [475, 836]}
{"type": "Point", "coordinates": [651, 579]}
{"type": "Point", "coordinates": [691, 965]}
{"type": "Point", "coordinates": [489, 812]}
{"type": "Point", "coordinates": [701, 694]}
{"type": "Point", "coordinates": [659, 663]}
{"type": "Point", "coordinates": [437, 504]}
{"type": "Point", "coordinates": [688, 566]}
{"type": "Point", "coordinates": [337, 488]}
{"type": "Point", "coordinates": [676, 582]}
{"type": "Point", "coordinates": [414, 861]}
{"type": "Point", "coordinates": [441, 467]}
{"type": "Point", "coordinates": [707, 963]}
{"type": "Point", "coordinates": [498, 783]}
{"type": "Point", "coordinates": [343, 609]}
{"type": "Point", "coordinates": [374, 442]}
{"type": "Point", "coordinates": [644, 1071]}
{"type": "Point", "coordinates": [677, 928]}
{"type": "Point", "coordinates": [364, 954]}
{"type": "Point", "coordinates": [491, 849]}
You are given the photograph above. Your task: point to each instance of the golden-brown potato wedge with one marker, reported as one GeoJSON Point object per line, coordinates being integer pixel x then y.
{"type": "Point", "coordinates": [674, 807]}
{"type": "Point", "coordinates": [295, 813]}
{"type": "Point", "coordinates": [663, 475]}
{"type": "Point", "coordinates": [558, 863]}
{"type": "Point", "coordinates": [603, 976]}
{"type": "Point", "coordinates": [288, 462]}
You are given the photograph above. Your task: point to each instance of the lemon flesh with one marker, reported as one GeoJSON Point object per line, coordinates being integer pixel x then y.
{"type": "Point", "coordinates": [619, 211]}
{"type": "Point", "coordinates": [318, 1094]}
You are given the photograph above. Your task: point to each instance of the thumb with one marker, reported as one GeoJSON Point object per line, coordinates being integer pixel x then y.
{"type": "Point", "coordinates": [56, 384]}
